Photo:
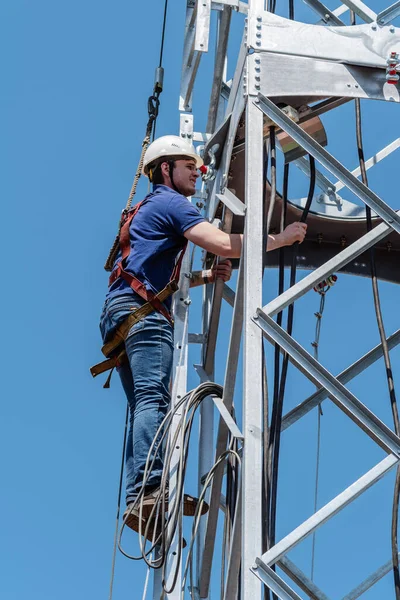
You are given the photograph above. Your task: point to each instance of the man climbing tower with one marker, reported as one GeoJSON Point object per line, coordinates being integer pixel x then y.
{"type": "Point", "coordinates": [152, 244]}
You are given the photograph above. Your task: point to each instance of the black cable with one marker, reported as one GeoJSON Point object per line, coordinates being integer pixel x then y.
{"type": "Point", "coordinates": [281, 280]}
{"type": "Point", "coordinates": [277, 409]}
{"type": "Point", "coordinates": [291, 9]}
{"type": "Point", "coordinates": [163, 33]}
{"type": "Point", "coordinates": [159, 86]}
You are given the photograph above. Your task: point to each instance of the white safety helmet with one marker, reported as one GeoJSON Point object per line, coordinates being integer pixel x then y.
{"type": "Point", "coordinates": [169, 146]}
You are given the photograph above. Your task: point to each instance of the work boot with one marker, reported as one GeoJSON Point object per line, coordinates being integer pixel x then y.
{"type": "Point", "coordinates": [189, 503]}
{"type": "Point", "coordinates": [132, 521]}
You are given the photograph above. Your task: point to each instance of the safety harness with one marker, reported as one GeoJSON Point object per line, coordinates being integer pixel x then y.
{"type": "Point", "coordinates": [114, 350]}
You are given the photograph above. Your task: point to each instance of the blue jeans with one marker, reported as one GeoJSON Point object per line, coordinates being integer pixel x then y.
{"type": "Point", "coordinates": [145, 378]}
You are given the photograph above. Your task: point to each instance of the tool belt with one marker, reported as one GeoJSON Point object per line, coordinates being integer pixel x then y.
{"type": "Point", "coordinates": [114, 350]}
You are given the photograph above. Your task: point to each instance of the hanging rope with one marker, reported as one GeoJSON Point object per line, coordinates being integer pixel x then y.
{"type": "Point", "coordinates": [322, 289]}
{"type": "Point", "coordinates": [153, 105]}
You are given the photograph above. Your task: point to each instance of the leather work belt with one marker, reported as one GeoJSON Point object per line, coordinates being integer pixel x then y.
{"type": "Point", "coordinates": [114, 350]}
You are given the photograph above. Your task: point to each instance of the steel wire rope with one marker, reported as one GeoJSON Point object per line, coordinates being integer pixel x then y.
{"type": "Point", "coordinates": [156, 448]}
{"type": "Point", "coordinates": [196, 522]}
{"type": "Point", "coordinates": [223, 559]}
{"type": "Point", "coordinates": [277, 408]}
{"type": "Point", "coordinates": [121, 476]}
{"type": "Point", "coordinates": [385, 348]}
{"type": "Point", "coordinates": [178, 506]}
{"type": "Point", "coordinates": [226, 525]}
{"type": "Point", "coordinates": [319, 415]}
{"type": "Point", "coordinates": [153, 451]}
{"type": "Point", "coordinates": [146, 583]}
{"type": "Point", "coordinates": [165, 425]}
{"type": "Point", "coordinates": [231, 505]}
{"type": "Point", "coordinates": [323, 291]}
{"type": "Point", "coordinates": [386, 355]}
{"type": "Point", "coordinates": [198, 513]}
{"type": "Point", "coordinates": [161, 55]}
{"type": "Point", "coordinates": [192, 401]}
{"type": "Point", "coordinates": [153, 104]}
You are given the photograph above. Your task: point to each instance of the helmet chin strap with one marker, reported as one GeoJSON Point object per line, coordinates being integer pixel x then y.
{"type": "Point", "coordinates": [171, 164]}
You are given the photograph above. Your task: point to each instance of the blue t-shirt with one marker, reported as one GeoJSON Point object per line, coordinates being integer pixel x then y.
{"type": "Point", "coordinates": [156, 235]}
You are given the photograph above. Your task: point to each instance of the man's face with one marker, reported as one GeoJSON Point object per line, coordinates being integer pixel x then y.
{"type": "Point", "coordinates": [185, 175]}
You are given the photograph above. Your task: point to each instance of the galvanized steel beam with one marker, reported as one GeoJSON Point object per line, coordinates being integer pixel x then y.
{"type": "Point", "coordinates": [344, 377]}
{"type": "Point", "coordinates": [252, 344]}
{"type": "Point", "coordinates": [325, 513]}
{"type": "Point", "coordinates": [331, 266]}
{"type": "Point", "coordinates": [341, 396]}
{"type": "Point", "coordinates": [370, 581]}
{"type": "Point", "coordinates": [298, 577]}
{"type": "Point", "coordinates": [390, 13]}
{"type": "Point", "coordinates": [361, 9]}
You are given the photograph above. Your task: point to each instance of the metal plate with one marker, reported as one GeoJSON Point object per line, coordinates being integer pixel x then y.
{"type": "Point", "coordinates": [283, 76]}
{"type": "Point", "coordinates": [367, 45]}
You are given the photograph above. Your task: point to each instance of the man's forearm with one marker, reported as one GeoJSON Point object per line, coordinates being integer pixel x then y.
{"type": "Point", "coordinates": [275, 241]}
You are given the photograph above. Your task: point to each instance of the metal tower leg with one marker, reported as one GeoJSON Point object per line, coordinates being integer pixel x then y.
{"type": "Point", "coordinates": [252, 368]}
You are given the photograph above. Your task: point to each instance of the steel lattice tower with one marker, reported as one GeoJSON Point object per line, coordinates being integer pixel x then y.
{"type": "Point", "coordinates": [287, 75]}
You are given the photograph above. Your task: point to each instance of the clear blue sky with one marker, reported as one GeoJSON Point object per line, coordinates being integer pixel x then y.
{"type": "Point", "coordinates": [76, 77]}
